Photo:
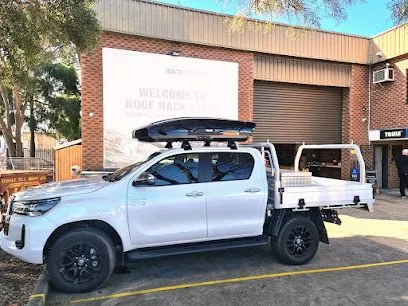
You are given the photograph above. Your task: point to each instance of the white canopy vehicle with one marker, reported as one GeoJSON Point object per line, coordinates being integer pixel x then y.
{"type": "Point", "coordinates": [179, 200]}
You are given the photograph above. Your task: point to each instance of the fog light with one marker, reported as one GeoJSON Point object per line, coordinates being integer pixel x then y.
{"type": "Point", "coordinates": [20, 243]}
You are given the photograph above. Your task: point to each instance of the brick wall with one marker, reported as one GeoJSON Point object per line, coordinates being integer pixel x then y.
{"type": "Point", "coordinates": [389, 106]}
{"type": "Point", "coordinates": [355, 109]}
{"type": "Point", "coordinates": [92, 91]}
{"type": "Point", "coordinates": [389, 109]}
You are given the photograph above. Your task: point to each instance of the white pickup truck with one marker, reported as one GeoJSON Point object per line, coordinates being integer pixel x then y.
{"type": "Point", "coordinates": [179, 200]}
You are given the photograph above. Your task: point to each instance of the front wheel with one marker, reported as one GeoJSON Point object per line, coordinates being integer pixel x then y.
{"type": "Point", "coordinates": [297, 241]}
{"type": "Point", "coordinates": [81, 260]}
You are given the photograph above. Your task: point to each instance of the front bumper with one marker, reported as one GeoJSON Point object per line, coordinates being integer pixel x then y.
{"type": "Point", "coordinates": [34, 236]}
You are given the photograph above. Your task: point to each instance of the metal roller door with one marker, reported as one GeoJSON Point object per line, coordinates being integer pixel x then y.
{"type": "Point", "coordinates": [293, 113]}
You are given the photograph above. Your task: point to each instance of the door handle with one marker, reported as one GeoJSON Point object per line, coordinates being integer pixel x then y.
{"type": "Point", "coordinates": [137, 202]}
{"type": "Point", "coordinates": [252, 190]}
{"type": "Point", "coordinates": [195, 194]}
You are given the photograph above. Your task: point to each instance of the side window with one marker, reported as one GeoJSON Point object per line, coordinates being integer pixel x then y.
{"type": "Point", "coordinates": [175, 170]}
{"type": "Point", "coordinates": [229, 166]}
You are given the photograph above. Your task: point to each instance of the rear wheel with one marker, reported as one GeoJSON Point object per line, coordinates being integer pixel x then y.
{"type": "Point", "coordinates": [297, 241]}
{"type": "Point", "coordinates": [81, 260]}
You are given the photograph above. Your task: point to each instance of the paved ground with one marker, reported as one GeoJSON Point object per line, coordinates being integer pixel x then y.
{"type": "Point", "coordinates": [338, 275]}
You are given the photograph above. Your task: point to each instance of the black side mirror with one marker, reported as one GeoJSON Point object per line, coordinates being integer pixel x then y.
{"type": "Point", "coordinates": [146, 179]}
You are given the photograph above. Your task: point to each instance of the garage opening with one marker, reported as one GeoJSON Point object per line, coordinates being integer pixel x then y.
{"type": "Point", "coordinates": [290, 114]}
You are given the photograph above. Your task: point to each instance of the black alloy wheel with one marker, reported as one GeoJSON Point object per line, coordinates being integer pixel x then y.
{"type": "Point", "coordinates": [81, 260]}
{"type": "Point", "coordinates": [80, 263]}
{"type": "Point", "coordinates": [297, 241]}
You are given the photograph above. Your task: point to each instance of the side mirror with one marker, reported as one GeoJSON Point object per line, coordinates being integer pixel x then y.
{"type": "Point", "coordinates": [146, 179]}
{"type": "Point", "coordinates": [75, 170]}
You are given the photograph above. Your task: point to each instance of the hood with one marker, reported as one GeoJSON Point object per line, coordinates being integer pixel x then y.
{"type": "Point", "coordinates": [61, 189]}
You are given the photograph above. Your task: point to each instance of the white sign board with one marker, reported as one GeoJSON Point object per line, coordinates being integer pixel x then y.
{"type": "Point", "coordinates": [140, 88]}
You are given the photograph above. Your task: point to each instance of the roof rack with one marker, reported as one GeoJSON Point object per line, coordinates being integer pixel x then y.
{"type": "Point", "coordinates": [195, 129]}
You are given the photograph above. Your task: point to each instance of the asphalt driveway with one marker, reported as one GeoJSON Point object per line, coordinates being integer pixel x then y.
{"type": "Point", "coordinates": [366, 263]}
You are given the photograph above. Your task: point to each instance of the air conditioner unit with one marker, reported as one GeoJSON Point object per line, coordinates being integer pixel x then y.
{"type": "Point", "coordinates": [383, 75]}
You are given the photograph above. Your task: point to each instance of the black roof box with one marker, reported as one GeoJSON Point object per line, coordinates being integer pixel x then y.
{"type": "Point", "coordinates": [195, 129]}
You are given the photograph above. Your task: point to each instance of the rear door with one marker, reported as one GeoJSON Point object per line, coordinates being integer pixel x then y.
{"type": "Point", "coordinates": [235, 195]}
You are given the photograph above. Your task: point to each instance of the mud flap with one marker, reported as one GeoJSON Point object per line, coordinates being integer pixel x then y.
{"type": "Point", "coordinates": [317, 218]}
{"type": "Point", "coordinates": [276, 222]}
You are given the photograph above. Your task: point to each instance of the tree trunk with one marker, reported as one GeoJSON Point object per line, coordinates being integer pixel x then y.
{"type": "Point", "coordinates": [14, 142]}
{"type": "Point", "coordinates": [19, 118]}
{"type": "Point", "coordinates": [11, 146]}
{"type": "Point", "coordinates": [32, 129]}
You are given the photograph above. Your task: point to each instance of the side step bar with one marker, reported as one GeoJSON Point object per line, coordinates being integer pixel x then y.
{"type": "Point", "coordinates": [188, 248]}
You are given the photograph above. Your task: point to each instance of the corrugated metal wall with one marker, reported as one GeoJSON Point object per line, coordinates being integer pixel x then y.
{"type": "Point", "coordinates": [391, 44]}
{"type": "Point", "coordinates": [291, 70]}
{"type": "Point", "coordinates": [186, 25]}
{"type": "Point", "coordinates": [65, 158]}
{"type": "Point", "coordinates": [293, 113]}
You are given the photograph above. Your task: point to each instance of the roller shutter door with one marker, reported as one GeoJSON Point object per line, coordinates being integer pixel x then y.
{"type": "Point", "coordinates": [293, 113]}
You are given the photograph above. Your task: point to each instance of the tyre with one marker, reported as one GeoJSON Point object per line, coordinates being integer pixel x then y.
{"type": "Point", "coordinates": [81, 260]}
{"type": "Point", "coordinates": [297, 241]}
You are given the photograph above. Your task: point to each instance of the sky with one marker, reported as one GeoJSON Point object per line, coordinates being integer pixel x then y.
{"type": "Point", "coordinates": [366, 18]}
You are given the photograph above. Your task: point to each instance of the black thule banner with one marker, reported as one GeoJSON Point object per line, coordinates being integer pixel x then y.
{"type": "Point", "coordinates": [393, 134]}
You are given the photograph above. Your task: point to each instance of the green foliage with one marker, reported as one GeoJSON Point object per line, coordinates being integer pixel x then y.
{"type": "Point", "coordinates": [64, 117]}
{"type": "Point", "coordinates": [58, 102]}
{"type": "Point", "coordinates": [33, 35]}
{"type": "Point", "coordinates": [34, 32]}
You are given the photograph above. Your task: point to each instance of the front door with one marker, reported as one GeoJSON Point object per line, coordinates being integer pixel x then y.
{"type": "Point", "coordinates": [170, 209]}
{"type": "Point", "coordinates": [378, 164]}
{"type": "Point", "coordinates": [235, 196]}
{"type": "Point", "coordinates": [381, 165]}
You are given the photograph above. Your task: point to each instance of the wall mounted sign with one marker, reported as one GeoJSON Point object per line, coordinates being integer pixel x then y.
{"type": "Point", "coordinates": [141, 88]}
{"type": "Point", "coordinates": [393, 134]}
{"type": "Point", "coordinates": [371, 177]}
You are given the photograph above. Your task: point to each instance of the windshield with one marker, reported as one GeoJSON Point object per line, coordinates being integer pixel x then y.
{"type": "Point", "coordinates": [122, 172]}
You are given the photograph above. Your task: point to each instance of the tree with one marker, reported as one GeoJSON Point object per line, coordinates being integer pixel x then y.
{"type": "Point", "coordinates": [56, 103]}
{"type": "Point", "coordinates": [305, 12]}
{"type": "Point", "coordinates": [60, 101]}
{"type": "Point", "coordinates": [399, 9]}
{"type": "Point", "coordinates": [34, 33]}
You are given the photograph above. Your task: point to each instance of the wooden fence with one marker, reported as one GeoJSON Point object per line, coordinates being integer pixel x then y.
{"type": "Point", "coordinates": [67, 156]}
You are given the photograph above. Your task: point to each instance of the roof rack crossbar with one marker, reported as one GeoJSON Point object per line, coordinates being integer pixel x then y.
{"type": "Point", "coordinates": [185, 145]}
{"type": "Point", "coordinates": [232, 145]}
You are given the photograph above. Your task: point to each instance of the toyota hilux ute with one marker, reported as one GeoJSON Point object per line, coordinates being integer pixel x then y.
{"type": "Point", "coordinates": [179, 200]}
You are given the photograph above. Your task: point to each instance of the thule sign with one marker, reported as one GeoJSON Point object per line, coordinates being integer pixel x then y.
{"type": "Point", "coordinates": [393, 134]}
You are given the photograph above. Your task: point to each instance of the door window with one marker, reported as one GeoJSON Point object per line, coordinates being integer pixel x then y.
{"type": "Point", "coordinates": [175, 170]}
{"type": "Point", "coordinates": [229, 166]}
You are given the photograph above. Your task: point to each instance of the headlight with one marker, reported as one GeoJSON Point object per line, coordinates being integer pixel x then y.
{"type": "Point", "coordinates": [35, 207]}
